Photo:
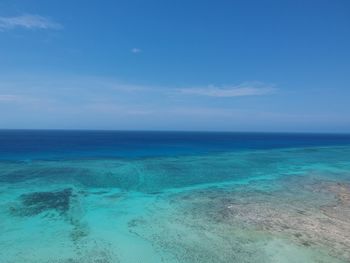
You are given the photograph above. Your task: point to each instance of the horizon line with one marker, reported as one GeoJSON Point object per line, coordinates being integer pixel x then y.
{"type": "Point", "coordinates": [180, 131]}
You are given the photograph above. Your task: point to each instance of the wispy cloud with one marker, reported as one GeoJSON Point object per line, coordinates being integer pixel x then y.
{"type": "Point", "coordinates": [245, 89]}
{"type": "Point", "coordinates": [136, 50]}
{"type": "Point", "coordinates": [28, 21]}
{"type": "Point", "coordinates": [8, 98]}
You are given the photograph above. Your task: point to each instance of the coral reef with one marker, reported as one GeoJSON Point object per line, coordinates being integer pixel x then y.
{"type": "Point", "coordinates": [39, 202]}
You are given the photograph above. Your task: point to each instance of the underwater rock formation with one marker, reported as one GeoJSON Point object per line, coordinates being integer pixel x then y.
{"type": "Point", "coordinates": [314, 214]}
{"type": "Point", "coordinates": [309, 216]}
{"type": "Point", "coordinates": [63, 203]}
{"type": "Point", "coordinates": [39, 202]}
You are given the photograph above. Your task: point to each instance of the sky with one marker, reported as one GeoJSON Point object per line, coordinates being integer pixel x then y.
{"type": "Point", "coordinates": [272, 65]}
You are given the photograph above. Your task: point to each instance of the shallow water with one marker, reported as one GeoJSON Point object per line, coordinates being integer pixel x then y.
{"type": "Point", "coordinates": [280, 204]}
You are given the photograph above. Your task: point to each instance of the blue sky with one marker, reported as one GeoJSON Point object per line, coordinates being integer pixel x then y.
{"type": "Point", "coordinates": [176, 65]}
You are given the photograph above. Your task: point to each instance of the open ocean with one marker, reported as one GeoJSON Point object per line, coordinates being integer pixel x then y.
{"type": "Point", "coordinates": [113, 196]}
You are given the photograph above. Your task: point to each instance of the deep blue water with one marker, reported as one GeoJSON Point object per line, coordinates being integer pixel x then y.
{"type": "Point", "coordinates": [47, 144]}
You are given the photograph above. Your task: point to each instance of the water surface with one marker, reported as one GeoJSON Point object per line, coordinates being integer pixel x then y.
{"type": "Point", "coordinates": [86, 196]}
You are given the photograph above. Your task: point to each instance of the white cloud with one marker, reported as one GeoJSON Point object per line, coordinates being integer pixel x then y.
{"type": "Point", "coordinates": [136, 50]}
{"type": "Point", "coordinates": [28, 22]}
{"type": "Point", "coordinates": [245, 89]}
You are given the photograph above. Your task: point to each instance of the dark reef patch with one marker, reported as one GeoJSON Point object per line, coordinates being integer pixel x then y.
{"type": "Point", "coordinates": [38, 202]}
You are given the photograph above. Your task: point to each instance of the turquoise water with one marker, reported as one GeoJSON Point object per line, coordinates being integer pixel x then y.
{"type": "Point", "coordinates": [277, 203]}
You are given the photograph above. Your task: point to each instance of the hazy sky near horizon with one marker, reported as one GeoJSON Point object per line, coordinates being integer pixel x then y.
{"type": "Point", "coordinates": [176, 65]}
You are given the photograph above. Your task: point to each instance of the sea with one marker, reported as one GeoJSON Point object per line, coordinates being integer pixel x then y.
{"type": "Point", "coordinates": [70, 196]}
